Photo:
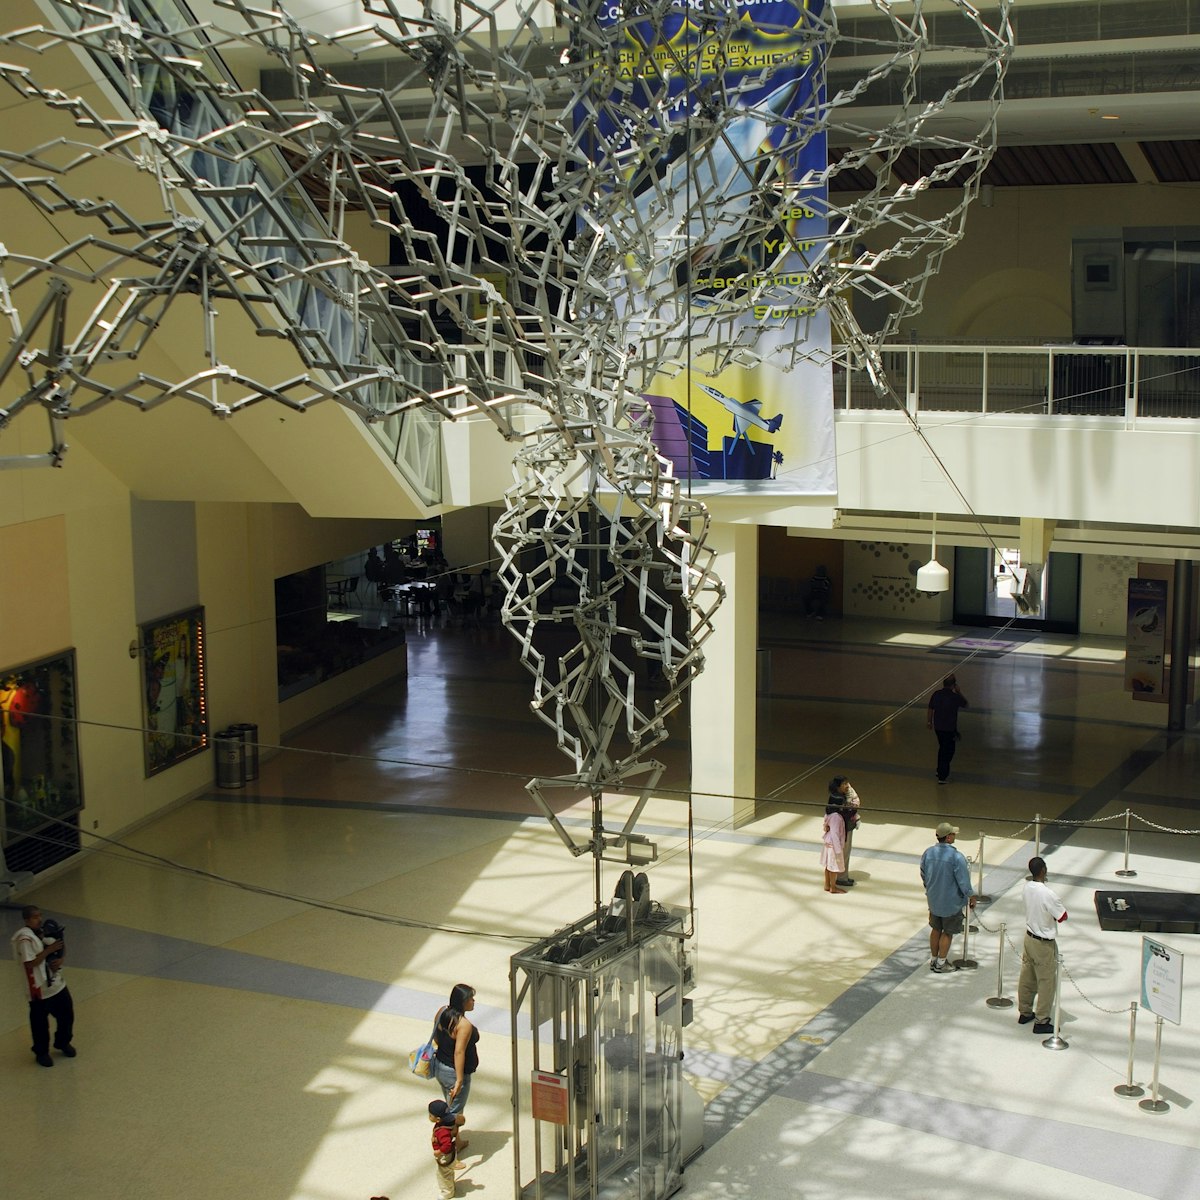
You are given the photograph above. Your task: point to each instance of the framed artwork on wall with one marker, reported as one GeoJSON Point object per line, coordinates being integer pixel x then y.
{"type": "Point", "coordinates": [38, 737]}
{"type": "Point", "coordinates": [174, 695]}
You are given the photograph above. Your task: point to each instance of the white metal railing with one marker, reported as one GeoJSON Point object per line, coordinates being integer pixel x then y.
{"type": "Point", "coordinates": [1128, 383]}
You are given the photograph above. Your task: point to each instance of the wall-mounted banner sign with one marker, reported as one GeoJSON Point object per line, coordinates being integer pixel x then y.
{"type": "Point", "coordinates": [1146, 637]}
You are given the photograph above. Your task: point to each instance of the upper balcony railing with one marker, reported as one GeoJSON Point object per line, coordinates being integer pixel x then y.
{"type": "Point", "coordinates": [1125, 384]}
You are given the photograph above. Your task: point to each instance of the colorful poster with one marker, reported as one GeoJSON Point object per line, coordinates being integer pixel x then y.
{"type": "Point", "coordinates": [1146, 638]}
{"type": "Point", "coordinates": [734, 229]}
{"type": "Point", "coordinates": [40, 782]}
{"type": "Point", "coordinates": [174, 699]}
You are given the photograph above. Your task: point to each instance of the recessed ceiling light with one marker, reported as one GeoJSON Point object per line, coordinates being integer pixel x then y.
{"type": "Point", "coordinates": [1109, 117]}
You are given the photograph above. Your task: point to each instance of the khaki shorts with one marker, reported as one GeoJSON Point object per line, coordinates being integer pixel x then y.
{"type": "Point", "coordinates": [950, 925]}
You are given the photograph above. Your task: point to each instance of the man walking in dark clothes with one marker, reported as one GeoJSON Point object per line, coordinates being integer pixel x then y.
{"type": "Point", "coordinates": [942, 717]}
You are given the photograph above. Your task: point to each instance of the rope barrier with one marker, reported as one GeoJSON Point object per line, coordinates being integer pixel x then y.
{"type": "Point", "coordinates": [1165, 828]}
{"type": "Point", "coordinates": [1019, 952]}
{"type": "Point", "coordinates": [1112, 1012]}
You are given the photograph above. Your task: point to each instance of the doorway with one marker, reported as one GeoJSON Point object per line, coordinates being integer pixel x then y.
{"type": "Point", "coordinates": [987, 582]}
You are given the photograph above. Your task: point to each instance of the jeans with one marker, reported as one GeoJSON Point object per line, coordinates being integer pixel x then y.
{"type": "Point", "coordinates": [446, 1075]}
{"type": "Point", "coordinates": [946, 743]}
{"type": "Point", "coordinates": [61, 1007]}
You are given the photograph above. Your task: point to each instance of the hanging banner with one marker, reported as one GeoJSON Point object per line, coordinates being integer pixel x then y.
{"type": "Point", "coordinates": [1146, 638]}
{"type": "Point", "coordinates": [717, 180]}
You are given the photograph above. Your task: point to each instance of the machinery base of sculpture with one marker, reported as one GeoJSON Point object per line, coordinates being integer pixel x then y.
{"type": "Point", "coordinates": [600, 1105]}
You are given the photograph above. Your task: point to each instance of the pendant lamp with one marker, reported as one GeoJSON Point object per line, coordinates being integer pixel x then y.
{"type": "Point", "coordinates": [933, 577]}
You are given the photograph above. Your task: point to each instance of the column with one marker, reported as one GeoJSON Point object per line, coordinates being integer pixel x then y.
{"type": "Point", "coordinates": [723, 698]}
{"type": "Point", "coordinates": [1182, 621]}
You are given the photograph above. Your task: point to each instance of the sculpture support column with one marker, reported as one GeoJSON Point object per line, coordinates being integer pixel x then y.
{"type": "Point", "coordinates": [723, 697]}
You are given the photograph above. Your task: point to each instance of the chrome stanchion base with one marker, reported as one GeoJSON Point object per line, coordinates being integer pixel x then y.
{"type": "Point", "coordinates": [999, 1002]}
{"type": "Point", "coordinates": [1153, 1105]}
{"type": "Point", "coordinates": [1125, 874]}
{"type": "Point", "coordinates": [965, 964]}
{"type": "Point", "coordinates": [1054, 1042]}
{"type": "Point", "coordinates": [1129, 1089]}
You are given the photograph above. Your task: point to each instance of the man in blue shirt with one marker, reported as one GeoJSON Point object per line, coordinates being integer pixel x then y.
{"type": "Point", "coordinates": [948, 890]}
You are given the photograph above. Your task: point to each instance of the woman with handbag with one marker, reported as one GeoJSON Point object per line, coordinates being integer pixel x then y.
{"type": "Point", "coordinates": [457, 1057]}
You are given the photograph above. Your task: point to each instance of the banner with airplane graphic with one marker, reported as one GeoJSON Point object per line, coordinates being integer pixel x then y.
{"type": "Point", "coordinates": [741, 405]}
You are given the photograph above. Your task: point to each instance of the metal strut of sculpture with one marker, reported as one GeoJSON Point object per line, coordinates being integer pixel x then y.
{"type": "Point", "coordinates": [552, 177]}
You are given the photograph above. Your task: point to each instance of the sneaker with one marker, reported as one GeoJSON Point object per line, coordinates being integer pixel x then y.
{"type": "Point", "coordinates": [935, 968]}
{"type": "Point", "coordinates": [67, 1051]}
{"type": "Point", "coordinates": [44, 1060]}
{"type": "Point", "coordinates": [1044, 1027]}
{"type": "Point", "coordinates": [1024, 1018]}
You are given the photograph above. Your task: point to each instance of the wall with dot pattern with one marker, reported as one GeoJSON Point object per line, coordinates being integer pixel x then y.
{"type": "Point", "coordinates": [881, 582]}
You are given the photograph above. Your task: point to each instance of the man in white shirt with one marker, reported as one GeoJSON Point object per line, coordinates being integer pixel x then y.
{"type": "Point", "coordinates": [1044, 912]}
{"type": "Point", "coordinates": [46, 990]}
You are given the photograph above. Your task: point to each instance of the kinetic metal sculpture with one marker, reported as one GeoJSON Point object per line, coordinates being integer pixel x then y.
{"type": "Point", "coordinates": [554, 178]}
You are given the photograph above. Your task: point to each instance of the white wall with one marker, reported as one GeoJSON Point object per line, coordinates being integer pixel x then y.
{"type": "Point", "coordinates": [1064, 470]}
{"type": "Point", "coordinates": [1103, 587]}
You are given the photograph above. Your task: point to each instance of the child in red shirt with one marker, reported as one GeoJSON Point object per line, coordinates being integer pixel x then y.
{"type": "Point", "coordinates": [445, 1146]}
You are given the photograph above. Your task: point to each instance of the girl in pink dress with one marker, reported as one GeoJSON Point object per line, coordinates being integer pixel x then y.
{"type": "Point", "coordinates": [833, 848]}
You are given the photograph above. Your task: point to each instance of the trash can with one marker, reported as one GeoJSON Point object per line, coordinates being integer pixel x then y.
{"type": "Point", "coordinates": [230, 752]}
{"type": "Point", "coordinates": [249, 735]}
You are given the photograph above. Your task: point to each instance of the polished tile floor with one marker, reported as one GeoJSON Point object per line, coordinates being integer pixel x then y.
{"type": "Point", "coordinates": [251, 969]}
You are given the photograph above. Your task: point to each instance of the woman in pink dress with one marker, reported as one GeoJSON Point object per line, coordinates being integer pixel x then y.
{"type": "Point", "coordinates": [833, 848]}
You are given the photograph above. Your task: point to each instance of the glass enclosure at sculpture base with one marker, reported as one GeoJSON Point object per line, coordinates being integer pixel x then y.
{"type": "Point", "coordinates": [600, 1105]}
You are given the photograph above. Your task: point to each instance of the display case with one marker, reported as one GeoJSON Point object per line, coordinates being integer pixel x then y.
{"type": "Point", "coordinates": [41, 790]}
{"type": "Point", "coordinates": [599, 1098]}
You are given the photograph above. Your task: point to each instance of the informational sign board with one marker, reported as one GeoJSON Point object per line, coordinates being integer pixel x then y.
{"type": "Point", "coordinates": [1146, 638]}
{"type": "Point", "coordinates": [550, 1097]}
{"type": "Point", "coordinates": [1162, 980]}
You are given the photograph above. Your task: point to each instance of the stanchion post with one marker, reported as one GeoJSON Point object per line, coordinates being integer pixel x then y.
{"type": "Point", "coordinates": [1037, 835]}
{"type": "Point", "coordinates": [1152, 1103]}
{"type": "Point", "coordinates": [979, 873]}
{"type": "Point", "coordinates": [1000, 1000]}
{"type": "Point", "coordinates": [1056, 1041]}
{"type": "Point", "coordinates": [1126, 871]}
{"type": "Point", "coordinates": [966, 963]}
{"type": "Point", "coordinates": [1129, 1088]}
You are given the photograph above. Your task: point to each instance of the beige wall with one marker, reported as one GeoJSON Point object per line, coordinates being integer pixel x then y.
{"type": "Point", "coordinates": [467, 537]}
{"type": "Point", "coordinates": [1009, 279]}
{"type": "Point", "coordinates": [73, 587]}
